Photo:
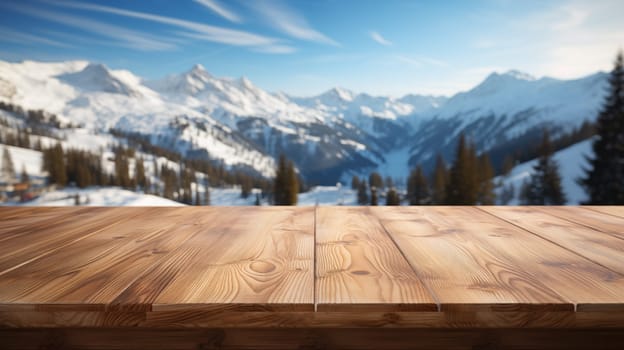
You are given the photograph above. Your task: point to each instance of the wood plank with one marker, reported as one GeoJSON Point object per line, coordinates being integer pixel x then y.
{"type": "Point", "coordinates": [470, 259]}
{"type": "Point", "coordinates": [26, 241]}
{"type": "Point", "coordinates": [360, 268]}
{"type": "Point", "coordinates": [615, 210]}
{"type": "Point", "coordinates": [16, 222]}
{"type": "Point", "coordinates": [597, 246]}
{"type": "Point", "coordinates": [249, 258]}
{"type": "Point", "coordinates": [598, 221]}
{"type": "Point", "coordinates": [16, 217]}
{"type": "Point", "coordinates": [92, 271]}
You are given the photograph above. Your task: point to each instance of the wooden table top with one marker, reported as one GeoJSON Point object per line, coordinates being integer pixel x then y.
{"type": "Point", "coordinates": [312, 267]}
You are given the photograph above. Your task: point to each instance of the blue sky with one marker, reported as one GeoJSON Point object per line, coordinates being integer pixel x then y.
{"type": "Point", "coordinates": [306, 47]}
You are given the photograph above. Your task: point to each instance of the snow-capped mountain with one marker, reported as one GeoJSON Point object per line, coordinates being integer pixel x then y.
{"type": "Point", "coordinates": [329, 136]}
{"type": "Point", "coordinates": [505, 111]}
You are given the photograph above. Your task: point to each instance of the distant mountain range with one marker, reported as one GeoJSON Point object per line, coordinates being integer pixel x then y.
{"type": "Point", "coordinates": [329, 137]}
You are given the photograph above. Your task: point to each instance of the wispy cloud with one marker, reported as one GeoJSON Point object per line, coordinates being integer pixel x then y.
{"type": "Point", "coordinates": [290, 22]}
{"type": "Point", "coordinates": [124, 37]}
{"type": "Point", "coordinates": [208, 32]}
{"type": "Point", "coordinates": [221, 10]}
{"type": "Point", "coordinates": [10, 35]}
{"type": "Point", "coordinates": [276, 49]}
{"type": "Point", "coordinates": [380, 39]}
{"type": "Point", "coordinates": [574, 39]}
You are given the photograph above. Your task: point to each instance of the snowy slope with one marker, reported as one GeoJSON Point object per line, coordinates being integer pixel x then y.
{"type": "Point", "coordinates": [98, 98]}
{"type": "Point", "coordinates": [223, 98]}
{"type": "Point", "coordinates": [571, 162]}
{"type": "Point", "coordinates": [507, 110]}
{"type": "Point", "coordinates": [513, 93]}
{"type": "Point", "coordinates": [318, 195]}
{"type": "Point", "coordinates": [24, 159]}
{"type": "Point", "coordinates": [365, 111]}
{"type": "Point", "coordinates": [328, 136]}
{"type": "Point", "coordinates": [99, 196]}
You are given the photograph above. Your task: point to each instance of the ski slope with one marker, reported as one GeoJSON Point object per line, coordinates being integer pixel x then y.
{"type": "Point", "coordinates": [571, 162]}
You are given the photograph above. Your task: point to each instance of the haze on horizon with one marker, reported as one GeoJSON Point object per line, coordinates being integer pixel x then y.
{"type": "Point", "coordinates": [306, 47]}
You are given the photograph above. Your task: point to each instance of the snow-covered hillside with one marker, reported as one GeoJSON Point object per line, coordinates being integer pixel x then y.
{"type": "Point", "coordinates": [319, 195]}
{"type": "Point", "coordinates": [329, 136]}
{"type": "Point", "coordinates": [31, 161]}
{"type": "Point", "coordinates": [572, 163]}
{"type": "Point", "coordinates": [99, 196]}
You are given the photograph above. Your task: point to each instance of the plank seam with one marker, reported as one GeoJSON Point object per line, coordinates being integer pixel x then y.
{"type": "Point", "coordinates": [601, 212]}
{"type": "Point", "coordinates": [161, 259]}
{"type": "Point", "coordinates": [586, 225]}
{"type": "Point", "coordinates": [394, 242]}
{"type": "Point", "coordinates": [552, 242]}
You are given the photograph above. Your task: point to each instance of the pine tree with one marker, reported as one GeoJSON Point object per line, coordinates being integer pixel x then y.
{"type": "Point", "coordinates": [197, 197]}
{"type": "Point", "coordinates": [187, 177]}
{"type": "Point", "coordinates": [440, 181]}
{"type": "Point", "coordinates": [24, 177]}
{"type": "Point", "coordinates": [544, 186]}
{"type": "Point", "coordinates": [486, 195]}
{"type": "Point", "coordinates": [508, 164]}
{"type": "Point", "coordinates": [286, 184]}
{"type": "Point", "coordinates": [246, 186]}
{"type": "Point", "coordinates": [463, 187]}
{"type": "Point", "coordinates": [122, 177]}
{"type": "Point", "coordinates": [374, 200]}
{"type": "Point", "coordinates": [375, 180]}
{"type": "Point", "coordinates": [417, 188]}
{"type": "Point", "coordinates": [139, 173]}
{"type": "Point", "coordinates": [362, 194]}
{"type": "Point", "coordinates": [8, 169]}
{"type": "Point", "coordinates": [206, 195]}
{"type": "Point", "coordinates": [389, 182]}
{"type": "Point", "coordinates": [155, 166]}
{"type": "Point", "coordinates": [54, 164]}
{"type": "Point", "coordinates": [38, 146]}
{"type": "Point", "coordinates": [293, 184]}
{"type": "Point", "coordinates": [392, 197]}
{"type": "Point", "coordinates": [355, 182]}
{"type": "Point", "coordinates": [604, 180]}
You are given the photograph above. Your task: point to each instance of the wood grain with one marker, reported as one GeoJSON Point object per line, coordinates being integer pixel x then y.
{"type": "Point", "coordinates": [244, 258]}
{"type": "Point", "coordinates": [597, 221]}
{"type": "Point", "coordinates": [615, 210]}
{"type": "Point", "coordinates": [470, 258]}
{"type": "Point", "coordinates": [360, 268]}
{"type": "Point", "coordinates": [233, 267]}
{"type": "Point", "coordinates": [597, 246]}
{"type": "Point", "coordinates": [50, 229]}
{"type": "Point", "coordinates": [95, 269]}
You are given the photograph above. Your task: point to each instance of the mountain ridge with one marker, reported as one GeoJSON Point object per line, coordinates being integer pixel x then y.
{"type": "Point", "coordinates": [330, 136]}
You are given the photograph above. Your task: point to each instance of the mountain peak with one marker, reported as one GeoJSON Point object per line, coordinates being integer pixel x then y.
{"type": "Point", "coordinates": [96, 68]}
{"type": "Point", "coordinates": [245, 82]}
{"type": "Point", "coordinates": [341, 94]}
{"type": "Point", "coordinates": [198, 71]}
{"type": "Point", "coordinates": [96, 77]}
{"type": "Point", "coordinates": [519, 75]}
{"type": "Point", "coordinates": [197, 67]}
